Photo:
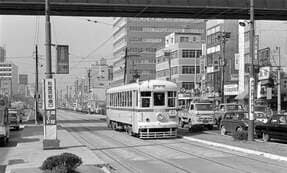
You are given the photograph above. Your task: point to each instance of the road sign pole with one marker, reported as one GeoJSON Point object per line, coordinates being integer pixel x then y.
{"type": "Point", "coordinates": [251, 81]}
{"type": "Point", "coordinates": [50, 129]}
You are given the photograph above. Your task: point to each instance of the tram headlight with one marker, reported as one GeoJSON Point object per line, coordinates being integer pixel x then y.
{"type": "Point", "coordinates": [147, 120]}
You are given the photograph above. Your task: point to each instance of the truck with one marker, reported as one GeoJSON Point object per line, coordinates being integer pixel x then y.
{"type": "Point", "coordinates": [197, 114]}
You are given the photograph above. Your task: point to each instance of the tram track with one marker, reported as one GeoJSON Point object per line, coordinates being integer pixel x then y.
{"type": "Point", "coordinates": [167, 145]}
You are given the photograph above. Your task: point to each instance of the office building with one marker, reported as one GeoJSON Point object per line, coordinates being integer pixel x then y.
{"type": "Point", "coordinates": [180, 59]}
{"type": "Point", "coordinates": [136, 40]}
{"type": "Point", "coordinates": [2, 54]}
{"type": "Point", "coordinates": [100, 74]}
{"type": "Point", "coordinates": [216, 51]}
{"type": "Point", "coordinates": [8, 79]}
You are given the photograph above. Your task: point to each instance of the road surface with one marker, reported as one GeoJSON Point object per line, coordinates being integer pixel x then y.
{"type": "Point", "coordinates": [129, 154]}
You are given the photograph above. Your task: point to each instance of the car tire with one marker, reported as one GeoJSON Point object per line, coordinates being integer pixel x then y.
{"type": "Point", "coordinates": [223, 130]}
{"type": "Point", "coordinates": [265, 137]}
{"type": "Point", "coordinates": [181, 123]}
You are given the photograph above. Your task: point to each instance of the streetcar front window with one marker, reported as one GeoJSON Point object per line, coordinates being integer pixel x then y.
{"type": "Point", "coordinates": [158, 99]}
{"type": "Point", "coordinates": [145, 97]}
{"type": "Point", "coordinates": [171, 98]}
{"type": "Point", "coordinates": [1, 116]}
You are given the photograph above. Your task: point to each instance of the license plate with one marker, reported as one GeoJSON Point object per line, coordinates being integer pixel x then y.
{"type": "Point", "coordinates": [205, 121]}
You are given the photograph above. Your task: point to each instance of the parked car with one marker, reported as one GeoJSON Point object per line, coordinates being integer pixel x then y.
{"type": "Point", "coordinates": [262, 113]}
{"type": "Point", "coordinates": [276, 127]}
{"type": "Point", "coordinates": [14, 119]}
{"type": "Point", "coordinates": [233, 121]}
{"type": "Point", "coordinates": [225, 108]}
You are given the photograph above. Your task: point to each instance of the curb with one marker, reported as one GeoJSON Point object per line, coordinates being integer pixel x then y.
{"type": "Point", "coordinates": [243, 150]}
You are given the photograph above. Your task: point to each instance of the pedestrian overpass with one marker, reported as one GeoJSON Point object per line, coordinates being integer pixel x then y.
{"type": "Point", "coordinates": [205, 9]}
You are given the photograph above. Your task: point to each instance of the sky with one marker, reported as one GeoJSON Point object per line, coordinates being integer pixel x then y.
{"type": "Point", "coordinates": [20, 34]}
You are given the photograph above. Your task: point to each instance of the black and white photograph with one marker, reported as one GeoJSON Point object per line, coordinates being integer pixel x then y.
{"type": "Point", "coordinates": [143, 86]}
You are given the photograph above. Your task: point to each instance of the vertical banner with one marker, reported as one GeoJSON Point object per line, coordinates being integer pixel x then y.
{"type": "Point", "coordinates": [251, 98]}
{"type": "Point", "coordinates": [50, 127]}
{"type": "Point", "coordinates": [269, 94]}
{"type": "Point", "coordinates": [62, 61]}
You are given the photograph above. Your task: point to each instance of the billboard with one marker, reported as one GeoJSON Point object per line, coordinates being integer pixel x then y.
{"type": "Point", "coordinates": [231, 89]}
{"type": "Point", "coordinates": [62, 61]}
{"type": "Point", "coordinates": [264, 57]}
{"type": "Point", "coordinates": [23, 79]}
{"type": "Point", "coordinates": [264, 73]}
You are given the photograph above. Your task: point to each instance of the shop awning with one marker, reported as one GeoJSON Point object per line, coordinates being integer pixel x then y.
{"type": "Point", "coordinates": [243, 95]}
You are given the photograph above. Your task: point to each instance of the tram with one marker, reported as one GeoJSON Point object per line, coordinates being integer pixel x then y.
{"type": "Point", "coordinates": [146, 109]}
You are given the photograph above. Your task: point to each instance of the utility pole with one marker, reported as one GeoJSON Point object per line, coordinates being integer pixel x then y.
{"type": "Point", "coordinates": [251, 82]}
{"type": "Point", "coordinates": [125, 68]}
{"type": "Point", "coordinates": [89, 80]}
{"type": "Point", "coordinates": [36, 85]}
{"type": "Point", "coordinates": [48, 41]}
{"type": "Point", "coordinates": [279, 82]}
{"type": "Point", "coordinates": [223, 36]}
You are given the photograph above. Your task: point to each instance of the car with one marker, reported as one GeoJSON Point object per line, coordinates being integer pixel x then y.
{"type": "Point", "coordinates": [224, 108]}
{"type": "Point", "coordinates": [233, 121]}
{"type": "Point", "coordinates": [276, 127]}
{"type": "Point", "coordinates": [14, 119]}
{"type": "Point", "coordinates": [262, 113]}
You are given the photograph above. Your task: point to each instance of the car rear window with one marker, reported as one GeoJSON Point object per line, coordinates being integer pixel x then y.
{"type": "Point", "coordinates": [234, 107]}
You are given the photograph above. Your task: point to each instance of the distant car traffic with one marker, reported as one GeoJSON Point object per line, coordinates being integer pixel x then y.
{"type": "Point", "coordinates": [225, 108]}
{"type": "Point", "coordinates": [14, 119]}
{"type": "Point", "coordinates": [233, 121]}
{"type": "Point", "coordinates": [276, 127]}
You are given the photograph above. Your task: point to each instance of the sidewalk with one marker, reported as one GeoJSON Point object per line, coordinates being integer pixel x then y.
{"type": "Point", "coordinates": [258, 147]}
{"type": "Point", "coordinates": [29, 152]}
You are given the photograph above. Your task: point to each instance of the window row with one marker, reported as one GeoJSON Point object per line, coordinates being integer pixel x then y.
{"type": "Point", "coordinates": [158, 99]}
{"type": "Point", "coordinates": [191, 53]}
{"type": "Point", "coordinates": [137, 49]}
{"type": "Point", "coordinates": [120, 99]}
{"type": "Point", "coordinates": [190, 69]}
{"type": "Point", "coordinates": [6, 69]}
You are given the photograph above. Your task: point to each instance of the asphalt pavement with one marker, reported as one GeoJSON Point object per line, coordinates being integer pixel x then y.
{"type": "Point", "coordinates": [130, 154]}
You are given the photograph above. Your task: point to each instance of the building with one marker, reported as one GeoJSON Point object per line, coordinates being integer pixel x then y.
{"type": "Point", "coordinates": [136, 40]}
{"type": "Point", "coordinates": [222, 43]}
{"type": "Point", "coordinates": [180, 59]}
{"type": "Point", "coordinates": [270, 44]}
{"type": "Point", "coordinates": [2, 54]}
{"type": "Point", "coordinates": [99, 74]}
{"type": "Point", "coordinates": [8, 79]}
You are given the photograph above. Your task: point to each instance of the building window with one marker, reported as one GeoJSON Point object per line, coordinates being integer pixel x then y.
{"type": "Point", "coordinates": [188, 85]}
{"type": "Point", "coordinates": [188, 53]}
{"type": "Point", "coordinates": [190, 69]}
{"type": "Point", "coordinates": [183, 39]}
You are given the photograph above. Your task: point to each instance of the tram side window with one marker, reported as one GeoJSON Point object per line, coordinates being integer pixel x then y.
{"type": "Point", "coordinates": [145, 99]}
{"type": "Point", "coordinates": [171, 98]}
{"type": "Point", "coordinates": [158, 99]}
{"type": "Point", "coordinates": [136, 93]}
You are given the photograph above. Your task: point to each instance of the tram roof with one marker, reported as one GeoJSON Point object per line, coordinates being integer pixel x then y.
{"type": "Point", "coordinates": [149, 85]}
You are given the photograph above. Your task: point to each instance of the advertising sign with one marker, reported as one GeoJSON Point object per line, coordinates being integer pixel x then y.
{"type": "Point", "coordinates": [251, 98]}
{"type": "Point", "coordinates": [264, 73]}
{"type": "Point", "coordinates": [230, 90]}
{"type": "Point", "coordinates": [264, 57]}
{"type": "Point", "coordinates": [23, 79]}
{"type": "Point", "coordinates": [62, 60]}
{"type": "Point", "coordinates": [50, 94]}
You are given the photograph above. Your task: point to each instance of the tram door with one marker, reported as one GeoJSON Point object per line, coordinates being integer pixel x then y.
{"type": "Point", "coordinates": [134, 110]}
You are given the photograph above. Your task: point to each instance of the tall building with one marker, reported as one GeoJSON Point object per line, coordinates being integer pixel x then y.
{"type": "Point", "coordinates": [180, 59]}
{"type": "Point", "coordinates": [2, 54]}
{"type": "Point", "coordinates": [8, 79]}
{"type": "Point", "coordinates": [136, 41]}
{"type": "Point", "coordinates": [100, 74]}
{"type": "Point", "coordinates": [216, 51]}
